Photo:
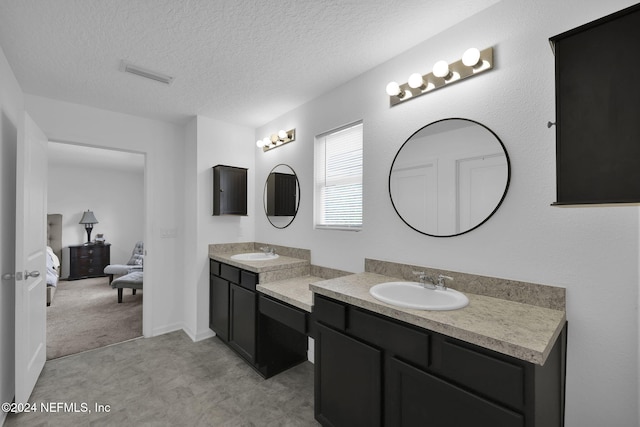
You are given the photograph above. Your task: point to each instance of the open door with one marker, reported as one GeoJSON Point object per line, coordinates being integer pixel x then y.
{"type": "Point", "coordinates": [30, 276]}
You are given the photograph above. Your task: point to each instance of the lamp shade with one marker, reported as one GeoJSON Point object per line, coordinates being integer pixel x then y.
{"type": "Point", "coordinates": [88, 218]}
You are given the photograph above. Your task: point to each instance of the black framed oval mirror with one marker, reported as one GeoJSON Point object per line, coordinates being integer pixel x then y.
{"type": "Point", "coordinates": [449, 177]}
{"type": "Point", "coordinates": [281, 196]}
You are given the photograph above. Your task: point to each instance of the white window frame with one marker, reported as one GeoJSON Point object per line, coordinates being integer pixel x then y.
{"type": "Point", "coordinates": [344, 177]}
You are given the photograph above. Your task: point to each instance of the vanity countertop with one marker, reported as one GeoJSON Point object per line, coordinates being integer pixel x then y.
{"type": "Point", "coordinates": [294, 291]}
{"type": "Point", "coordinates": [524, 331]}
{"type": "Point", "coordinates": [280, 263]}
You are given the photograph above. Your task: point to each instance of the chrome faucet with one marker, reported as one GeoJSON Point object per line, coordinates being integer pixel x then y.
{"type": "Point", "coordinates": [440, 283]}
{"type": "Point", "coordinates": [425, 281]}
{"type": "Point", "coordinates": [268, 250]}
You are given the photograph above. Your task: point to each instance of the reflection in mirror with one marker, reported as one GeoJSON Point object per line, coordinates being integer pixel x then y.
{"type": "Point", "coordinates": [449, 177]}
{"type": "Point", "coordinates": [281, 196]}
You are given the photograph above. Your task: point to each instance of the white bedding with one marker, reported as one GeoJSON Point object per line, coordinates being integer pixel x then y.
{"type": "Point", "coordinates": [53, 266]}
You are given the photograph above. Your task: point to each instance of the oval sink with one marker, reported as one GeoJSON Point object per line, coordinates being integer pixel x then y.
{"type": "Point", "coordinates": [414, 295]}
{"type": "Point", "coordinates": [254, 256]}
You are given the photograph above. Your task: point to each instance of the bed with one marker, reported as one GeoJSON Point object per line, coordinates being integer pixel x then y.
{"type": "Point", "coordinates": [54, 253]}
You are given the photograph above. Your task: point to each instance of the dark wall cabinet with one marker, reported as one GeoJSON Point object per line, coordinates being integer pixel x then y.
{"type": "Point", "coordinates": [268, 334]}
{"type": "Point", "coordinates": [87, 261]}
{"type": "Point", "coordinates": [375, 371]}
{"type": "Point", "coordinates": [282, 194]}
{"type": "Point", "coordinates": [597, 104]}
{"type": "Point", "coordinates": [229, 190]}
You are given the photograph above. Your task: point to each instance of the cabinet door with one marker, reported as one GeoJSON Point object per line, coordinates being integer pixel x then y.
{"type": "Point", "coordinates": [229, 190]}
{"type": "Point", "coordinates": [348, 378]}
{"type": "Point", "coordinates": [242, 327]}
{"type": "Point", "coordinates": [219, 306]}
{"type": "Point", "coordinates": [597, 103]}
{"type": "Point", "coordinates": [416, 398]}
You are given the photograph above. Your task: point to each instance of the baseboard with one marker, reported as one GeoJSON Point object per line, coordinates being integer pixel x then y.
{"type": "Point", "coordinates": [166, 329]}
{"type": "Point", "coordinates": [199, 336]}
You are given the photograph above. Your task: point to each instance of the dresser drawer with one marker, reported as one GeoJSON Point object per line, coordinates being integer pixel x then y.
{"type": "Point", "coordinates": [230, 273]}
{"type": "Point", "coordinates": [330, 312]}
{"type": "Point", "coordinates": [283, 313]}
{"type": "Point", "coordinates": [402, 341]}
{"type": "Point", "coordinates": [486, 374]}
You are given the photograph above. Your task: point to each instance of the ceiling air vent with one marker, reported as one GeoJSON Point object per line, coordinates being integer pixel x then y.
{"type": "Point", "coordinates": [146, 73]}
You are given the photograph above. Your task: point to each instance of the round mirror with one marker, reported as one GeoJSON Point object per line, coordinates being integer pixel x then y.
{"type": "Point", "coordinates": [281, 196]}
{"type": "Point", "coordinates": [449, 177]}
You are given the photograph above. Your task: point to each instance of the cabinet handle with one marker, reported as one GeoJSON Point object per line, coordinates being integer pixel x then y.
{"type": "Point", "coordinates": [549, 124]}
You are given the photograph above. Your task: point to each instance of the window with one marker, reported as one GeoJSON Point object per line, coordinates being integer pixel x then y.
{"type": "Point", "coordinates": [338, 183]}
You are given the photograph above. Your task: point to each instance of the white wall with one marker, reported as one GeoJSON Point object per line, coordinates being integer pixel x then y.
{"type": "Point", "coordinates": [162, 144]}
{"type": "Point", "coordinates": [116, 197]}
{"type": "Point", "coordinates": [208, 143]}
{"type": "Point", "coordinates": [593, 252]}
{"type": "Point", "coordinates": [11, 113]}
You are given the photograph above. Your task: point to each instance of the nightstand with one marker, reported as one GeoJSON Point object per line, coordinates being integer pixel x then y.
{"type": "Point", "coordinates": [87, 261]}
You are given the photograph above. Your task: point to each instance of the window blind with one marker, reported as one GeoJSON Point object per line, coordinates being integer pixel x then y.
{"type": "Point", "coordinates": [338, 190]}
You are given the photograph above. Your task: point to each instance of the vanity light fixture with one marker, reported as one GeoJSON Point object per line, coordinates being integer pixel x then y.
{"type": "Point", "coordinates": [473, 62]}
{"type": "Point", "coordinates": [276, 139]}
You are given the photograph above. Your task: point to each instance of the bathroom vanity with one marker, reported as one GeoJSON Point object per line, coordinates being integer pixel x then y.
{"type": "Point", "coordinates": [382, 365]}
{"type": "Point", "coordinates": [269, 334]}
{"type": "Point", "coordinates": [500, 361]}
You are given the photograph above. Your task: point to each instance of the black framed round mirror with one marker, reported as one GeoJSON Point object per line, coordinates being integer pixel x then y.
{"type": "Point", "coordinates": [449, 177]}
{"type": "Point", "coordinates": [281, 196]}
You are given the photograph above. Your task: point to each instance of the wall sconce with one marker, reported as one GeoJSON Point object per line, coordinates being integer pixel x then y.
{"type": "Point", "coordinates": [473, 62]}
{"type": "Point", "coordinates": [88, 219]}
{"type": "Point", "coordinates": [276, 139]}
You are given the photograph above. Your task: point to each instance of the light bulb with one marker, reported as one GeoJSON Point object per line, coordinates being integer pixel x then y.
{"type": "Point", "coordinates": [282, 134]}
{"type": "Point", "coordinates": [266, 142]}
{"type": "Point", "coordinates": [274, 138]}
{"type": "Point", "coordinates": [441, 69]}
{"type": "Point", "coordinates": [471, 57]}
{"type": "Point", "coordinates": [259, 143]}
{"type": "Point", "coordinates": [393, 89]}
{"type": "Point", "coordinates": [416, 81]}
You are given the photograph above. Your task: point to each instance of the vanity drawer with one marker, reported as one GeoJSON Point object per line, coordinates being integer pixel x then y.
{"type": "Point", "coordinates": [401, 341]}
{"type": "Point", "coordinates": [283, 313]}
{"type": "Point", "coordinates": [230, 273]}
{"type": "Point", "coordinates": [214, 267]}
{"type": "Point", "coordinates": [491, 376]}
{"type": "Point", "coordinates": [248, 280]}
{"type": "Point", "coordinates": [330, 312]}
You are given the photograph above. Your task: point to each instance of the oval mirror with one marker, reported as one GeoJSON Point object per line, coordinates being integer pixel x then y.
{"type": "Point", "coordinates": [449, 177]}
{"type": "Point", "coordinates": [281, 196]}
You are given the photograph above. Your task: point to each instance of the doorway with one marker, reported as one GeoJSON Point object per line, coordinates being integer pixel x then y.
{"type": "Point", "coordinates": [85, 313]}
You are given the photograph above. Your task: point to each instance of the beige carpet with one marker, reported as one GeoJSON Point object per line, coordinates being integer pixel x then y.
{"type": "Point", "coordinates": [85, 314]}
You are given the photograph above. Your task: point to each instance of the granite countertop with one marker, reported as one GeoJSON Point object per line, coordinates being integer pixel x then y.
{"type": "Point", "coordinates": [524, 331]}
{"type": "Point", "coordinates": [294, 291]}
{"type": "Point", "coordinates": [280, 263]}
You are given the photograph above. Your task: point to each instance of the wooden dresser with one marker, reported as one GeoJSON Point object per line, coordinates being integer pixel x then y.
{"type": "Point", "coordinates": [88, 260]}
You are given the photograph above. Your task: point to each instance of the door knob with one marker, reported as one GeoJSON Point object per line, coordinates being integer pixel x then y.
{"type": "Point", "coordinates": [8, 276]}
{"type": "Point", "coordinates": [34, 273]}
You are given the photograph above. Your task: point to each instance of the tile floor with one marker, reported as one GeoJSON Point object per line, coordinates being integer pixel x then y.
{"type": "Point", "coordinates": [169, 381]}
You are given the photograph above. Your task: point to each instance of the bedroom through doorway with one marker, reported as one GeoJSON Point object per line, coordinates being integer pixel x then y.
{"type": "Point", "coordinates": [99, 197]}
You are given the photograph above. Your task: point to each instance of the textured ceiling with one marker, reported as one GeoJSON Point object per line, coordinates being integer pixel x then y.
{"type": "Point", "coordinates": [239, 61]}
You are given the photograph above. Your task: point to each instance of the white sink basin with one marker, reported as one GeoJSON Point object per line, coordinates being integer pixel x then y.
{"type": "Point", "coordinates": [254, 256]}
{"type": "Point", "coordinates": [414, 295]}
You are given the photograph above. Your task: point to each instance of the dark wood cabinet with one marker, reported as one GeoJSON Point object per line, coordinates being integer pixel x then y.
{"type": "Point", "coordinates": [219, 307]}
{"type": "Point", "coordinates": [86, 261]}
{"type": "Point", "coordinates": [415, 397]}
{"type": "Point", "coordinates": [282, 194]}
{"type": "Point", "coordinates": [348, 380]}
{"type": "Point", "coordinates": [597, 103]}
{"type": "Point", "coordinates": [242, 321]}
{"type": "Point", "coordinates": [270, 335]}
{"type": "Point", "coordinates": [229, 190]}
{"type": "Point", "coordinates": [427, 378]}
